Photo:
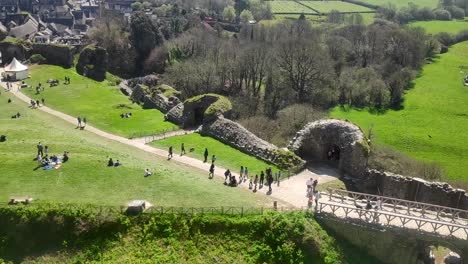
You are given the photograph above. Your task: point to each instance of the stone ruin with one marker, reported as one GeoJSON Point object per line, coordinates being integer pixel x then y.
{"type": "Point", "coordinates": [199, 110]}
{"type": "Point", "coordinates": [146, 91]}
{"type": "Point", "coordinates": [317, 139]}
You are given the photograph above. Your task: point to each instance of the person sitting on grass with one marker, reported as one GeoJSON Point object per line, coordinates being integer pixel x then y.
{"type": "Point", "coordinates": [233, 181]}
{"type": "Point", "coordinates": [110, 163]}
{"type": "Point", "coordinates": [148, 173]}
{"type": "Point", "coordinates": [117, 163]}
{"type": "Point", "coordinates": [65, 156]}
{"type": "Point", "coordinates": [18, 115]}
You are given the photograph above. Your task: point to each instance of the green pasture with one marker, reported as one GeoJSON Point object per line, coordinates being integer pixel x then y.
{"type": "Point", "coordinates": [100, 102]}
{"type": "Point", "coordinates": [403, 3]}
{"type": "Point", "coordinates": [226, 156]}
{"type": "Point", "coordinates": [433, 124]}
{"type": "Point", "coordinates": [327, 6]}
{"type": "Point", "coordinates": [85, 178]}
{"type": "Point", "coordinates": [289, 7]}
{"type": "Point", "coordinates": [437, 26]}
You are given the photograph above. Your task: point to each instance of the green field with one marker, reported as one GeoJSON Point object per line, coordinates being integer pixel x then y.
{"type": "Point", "coordinates": [100, 102]}
{"type": "Point", "coordinates": [403, 3]}
{"type": "Point", "coordinates": [289, 7]}
{"type": "Point", "coordinates": [227, 157]}
{"type": "Point", "coordinates": [327, 6]}
{"type": "Point", "coordinates": [434, 27]}
{"type": "Point", "coordinates": [85, 178]}
{"type": "Point", "coordinates": [433, 124]}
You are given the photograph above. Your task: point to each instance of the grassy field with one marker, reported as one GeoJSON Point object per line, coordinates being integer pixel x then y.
{"type": "Point", "coordinates": [368, 18]}
{"type": "Point", "coordinates": [227, 157]}
{"type": "Point", "coordinates": [434, 27]}
{"type": "Point", "coordinates": [100, 102]}
{"type": "Point", "coordinates": [85, 178]}
{"type": "Point", "coordinates": [327, 6]}
{"type": "Point", "coordinates": [289, 7]}
{"type": "Point", "coordinates": [403, 3]}
{"type": "Point", "coordinates": [433, 124]}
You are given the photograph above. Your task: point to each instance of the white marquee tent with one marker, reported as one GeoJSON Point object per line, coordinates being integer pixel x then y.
{"type": "Point", "coordinates": [16, 71]}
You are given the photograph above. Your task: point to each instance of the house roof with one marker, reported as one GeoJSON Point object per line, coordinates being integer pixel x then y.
{"type": "Point", "coordinates": [28, 28]}
{"type": "Point", "coordinates": [15, 66]}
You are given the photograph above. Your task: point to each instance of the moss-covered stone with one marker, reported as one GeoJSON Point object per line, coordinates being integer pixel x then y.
{"type": "Point", "coordinates": [167, 91]}
{"type": "Point", "coordinates": [220, 105]}
{"type": "Point", "coordinates": [92, 62]}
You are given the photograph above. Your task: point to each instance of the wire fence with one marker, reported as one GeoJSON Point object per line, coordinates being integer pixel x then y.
{"type": "Point", "coordinates": [107, 211]}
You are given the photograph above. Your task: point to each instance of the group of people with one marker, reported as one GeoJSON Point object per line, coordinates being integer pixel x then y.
{"type": "Point", "coordinates": [47, 162]}
{"type": "Point", "coordinates": [112, 163]}
{"type": "Point", "coordinates": [15, 116]}
{"type": "Point", "coordinates": [39, 88]}
{"type": "Point", "coordinates": [312, 193]}
{"type": "Point", "coordinates": [81, 122]}
{"type": "Point", "coordinates": [67, 80]}
{"type": "Point", "coordinates": [126, 115]}
{"type": "Point", "coordinates": [36, 103]}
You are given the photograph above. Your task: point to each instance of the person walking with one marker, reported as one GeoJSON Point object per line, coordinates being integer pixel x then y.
{"type": "Point", "coordinates": [241, 174]}
{"type": "Point", "coordinates": [84, 122]}
{"type": "Point", "coordinates": [213, 158]}
{"type": "Point", "coordinates": [43, 101]}
{"type": "Point", "coordinates": [46, 150]}
{"type": "Point", "coordinates": [255, 183]}
{"type": "Point", "coordinates": [270, 182]}
{"type": "Point", "coordinates": [317, 196]}
{"type": "Point", "coordinates": [262, 178]}
{"type": "Point", "coordinates": [169, 156]}
{"type": "Point", "coordinates": [40, 149]}
{"type": "Point", "coordinates": [211, 174]}
{"type": "Point", "coordinates": [246, 174]}
{"type": "Point", "coordinates": [79, 122]}
{"type": "Point", "coordinates": [205, 155]}
{"type": "Point", "coordinates": [182, 149]}
{"type": "Point", "coordinates": [227, 173]}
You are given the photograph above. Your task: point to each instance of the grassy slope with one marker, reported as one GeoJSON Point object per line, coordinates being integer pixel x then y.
{"type": "Point", "coordinates": [403, 3]}
{"type": "Point", "coordinates": [69, 236]}
{"type": "Point", "coordinates": [326, 7]}
{"type": "Point", "coordinates": [436, 106]}
{"type": "Point", "coordinates": [97, 101]}
{"type": "Point", "coordinates": [227, 157]}
{"type": "Point", "coordinates": [86, 179]}
{"type": "Point", "coordinates": [434, 27]}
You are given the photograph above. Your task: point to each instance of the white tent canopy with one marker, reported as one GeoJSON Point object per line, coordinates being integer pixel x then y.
{"type": "Point", "coordinates": [16, 70]}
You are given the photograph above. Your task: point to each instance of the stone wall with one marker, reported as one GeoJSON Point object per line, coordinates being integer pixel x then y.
{"type": "Point", "coordinates": [409, 188]}
{"type": "Point", "coordinates": [55, 54]}
{"type": "Point", "coordinates": [316, 138]}
{"type": "Point", "coordinates": [11, 49]}
{"type": "Point", "coordinates": [92, 62]}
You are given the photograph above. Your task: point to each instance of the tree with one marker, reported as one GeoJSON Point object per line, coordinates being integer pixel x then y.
{"type": "Point", "coordinates": [136, 6]}
{"type": "Point", "coordinates": [246, 16]}
{"type": "Point", "coordinates": [229, 13]}
{"type": "Point", "coordinates": [145, 36]}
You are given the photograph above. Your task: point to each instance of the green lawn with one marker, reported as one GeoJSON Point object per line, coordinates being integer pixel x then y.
{"type": "Point", "coordinates": [289, 7]}
{"type": "Point", "coordinates": [85, 178]}
{"type": "Point", "coordinates": [327, 6]}
{"type": "Point", "coordinates": [100, 102]}
{"type": "Point", "coordinates": [433, 125]}
{"type": "Point", "coordinates": [434, 27]}
{"type": "Point", "coordinates": [227, 157]}
{"type": "Point", "coordinates": [403, 3]}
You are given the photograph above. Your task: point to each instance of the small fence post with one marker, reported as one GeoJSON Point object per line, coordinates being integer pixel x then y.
{"type": "Point", "coordinates": [275, 205]}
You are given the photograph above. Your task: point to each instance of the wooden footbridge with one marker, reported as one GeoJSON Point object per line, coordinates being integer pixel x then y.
{"type": "Point", "coordinates": [439, 220]}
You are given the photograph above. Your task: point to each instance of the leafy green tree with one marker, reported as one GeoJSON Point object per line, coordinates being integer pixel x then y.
{"type": "Point", "coordinates": [229, 13]}
{"type": "Point", "coordinates": [246, 16]}
{"type": "Point", "coordinates": [136, 6]}
{"type": "Point", "coordinates": [145, 36]}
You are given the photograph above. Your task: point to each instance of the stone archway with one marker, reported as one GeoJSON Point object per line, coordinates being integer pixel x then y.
{"type": "Point", "coordinates": [331, 139]}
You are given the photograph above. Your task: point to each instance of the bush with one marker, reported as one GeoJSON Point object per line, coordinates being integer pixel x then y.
{"type": "Point", "coordinates": [37, 58]}
{"type": "Point", "coordinates": [441, 14]}
{"type": "Point", "coordinates": [445, 38]}
{"type": "Point", "coordinates": [457, 13]}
